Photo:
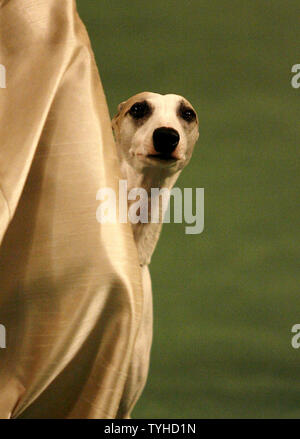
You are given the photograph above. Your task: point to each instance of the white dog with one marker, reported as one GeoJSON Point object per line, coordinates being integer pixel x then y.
{"type": "Point", "coordinates": [155, 136]}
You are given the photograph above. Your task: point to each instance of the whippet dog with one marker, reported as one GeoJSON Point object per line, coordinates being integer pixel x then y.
{"type": "Point", "coordinates": [155, 137]}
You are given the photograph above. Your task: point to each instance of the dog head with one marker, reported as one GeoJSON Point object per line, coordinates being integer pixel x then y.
{"type": "Point", "coordinates": [154, 130]}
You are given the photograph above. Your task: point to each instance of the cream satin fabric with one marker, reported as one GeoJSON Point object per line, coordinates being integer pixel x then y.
{"type": "Point", "coordinates": [70, 288]}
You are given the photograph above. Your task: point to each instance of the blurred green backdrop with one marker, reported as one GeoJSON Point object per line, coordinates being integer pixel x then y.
{"type": "Point", "coordinates": [225, 300]}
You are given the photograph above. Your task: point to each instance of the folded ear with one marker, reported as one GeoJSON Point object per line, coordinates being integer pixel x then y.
{"type": "Point", "coordinates": [120, 106]}
{"type": "Point", "coordinates": [115, 119]}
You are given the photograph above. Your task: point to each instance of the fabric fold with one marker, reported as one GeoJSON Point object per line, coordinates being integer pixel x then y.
{"type": "Point", "coordinates": [70, 288]}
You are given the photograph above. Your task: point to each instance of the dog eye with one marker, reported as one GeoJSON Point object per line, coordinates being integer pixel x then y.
{"type": "Point", "coordinates": [188, 114]}
{"type": "Point", "coordinates": [139, 110]}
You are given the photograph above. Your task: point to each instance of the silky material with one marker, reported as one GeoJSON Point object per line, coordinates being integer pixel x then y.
{"type": "Point", "coordinates": [78, 333]}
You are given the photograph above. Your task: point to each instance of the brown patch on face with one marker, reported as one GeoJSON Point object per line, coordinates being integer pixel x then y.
{"type": "Point", "coordinates": [186, 112]}
{"type": "Point", "coordinates": [140, 112]}
{"type": "Point", "coordinates": [124, 107]}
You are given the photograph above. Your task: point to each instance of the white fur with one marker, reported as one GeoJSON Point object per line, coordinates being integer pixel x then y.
{"type": "Point", "coordinates": [134, 144]}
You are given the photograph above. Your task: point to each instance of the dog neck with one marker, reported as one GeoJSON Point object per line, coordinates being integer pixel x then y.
{"type": "Point", "coordinates": [146, 234]}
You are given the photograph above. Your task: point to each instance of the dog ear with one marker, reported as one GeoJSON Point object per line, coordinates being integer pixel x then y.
{"type": "Point", "coordinates": [120, 106]}
{"type": "Point", "coordinates": [114, 122]}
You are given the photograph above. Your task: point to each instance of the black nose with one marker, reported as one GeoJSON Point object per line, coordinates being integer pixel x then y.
{"type": "Point", "coordinates": [165, 140]}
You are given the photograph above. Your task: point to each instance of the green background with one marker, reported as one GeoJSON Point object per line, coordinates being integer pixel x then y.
{"type": "Point", "coordinates": [225, 300]}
